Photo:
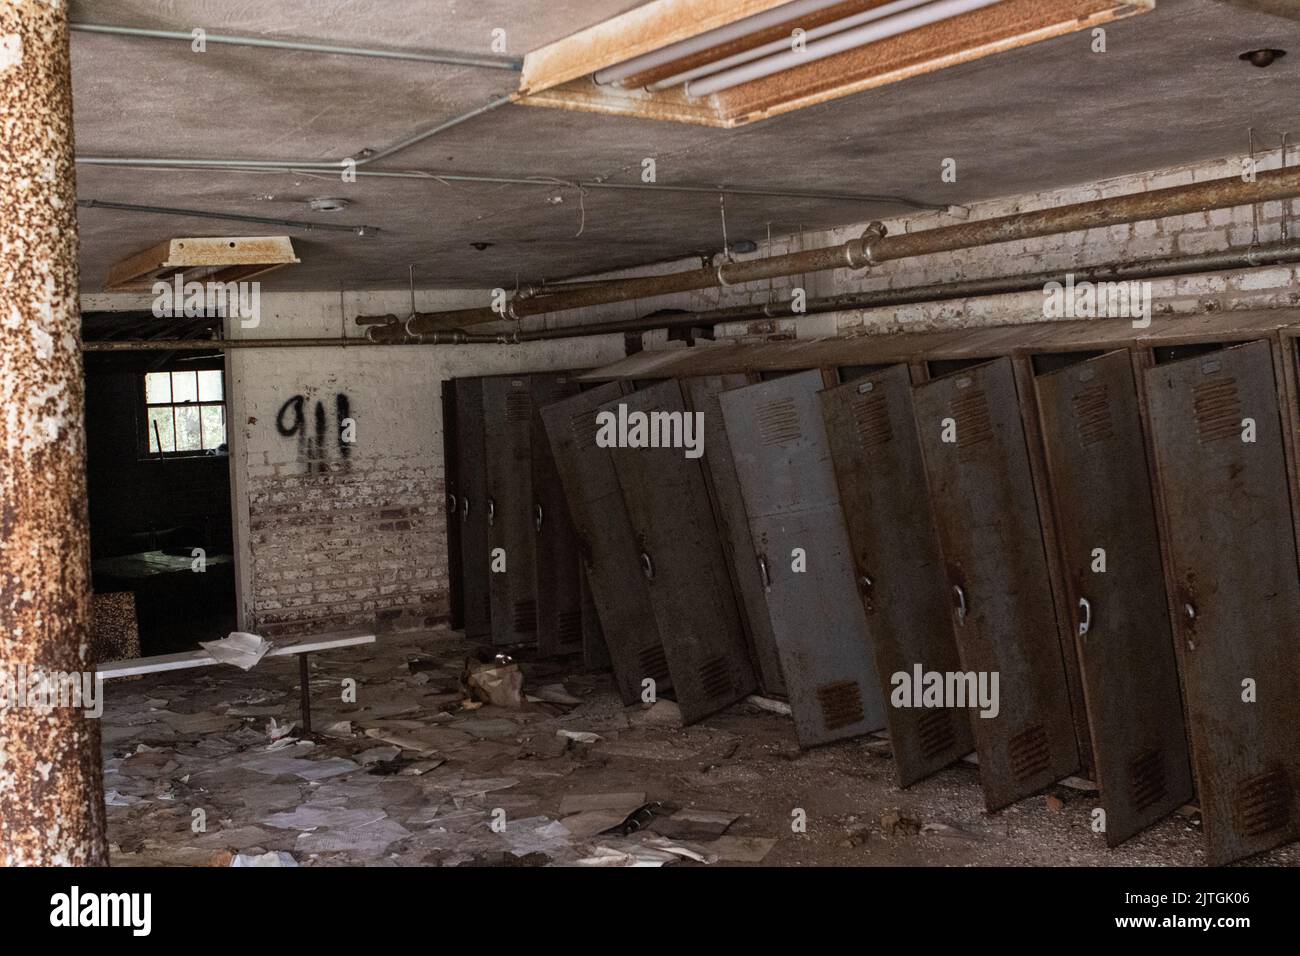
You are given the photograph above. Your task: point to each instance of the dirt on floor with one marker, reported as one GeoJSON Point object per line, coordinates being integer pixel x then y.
{"type": "Point", "coordinates": [211, 767]}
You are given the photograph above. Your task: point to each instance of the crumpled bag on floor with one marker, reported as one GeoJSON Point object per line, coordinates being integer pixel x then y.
{"type": "Point", "coordinates": [495, 682]}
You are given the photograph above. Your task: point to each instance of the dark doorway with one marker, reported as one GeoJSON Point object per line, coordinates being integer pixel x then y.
{"type": "Point", "coordinates": [158, 480]}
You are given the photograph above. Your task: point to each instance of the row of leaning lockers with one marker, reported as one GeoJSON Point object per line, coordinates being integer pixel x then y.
{"type": "Point", "coordinates": [1111, 536]}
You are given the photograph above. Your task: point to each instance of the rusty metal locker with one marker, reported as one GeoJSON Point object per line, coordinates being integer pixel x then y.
{"type": "Point", "coordinates": [558, 566]}
{"type": "Point", "coordinates": [606, 542]}
{"type": "Point", "coordinates": [507, 421]}
{"type": "Point", "coordinates": [681, 555]}
{"type": "Point", "coordinates": [1110, 548]}
{"type": "Point", "coordinates": [982, 495]}
{"type": "Point", "coordinates": [783, 464]}
{"type": "Point", "coordinates": [1232, 557]}
{"type": "Point", "coordinates": [877, 459]}
{"type": "Point", "coordinates": [733, 524]}
{"type": "Point", "coordinates": [471, 483]}
{"type": "Point", "coordinates": [450, 484]}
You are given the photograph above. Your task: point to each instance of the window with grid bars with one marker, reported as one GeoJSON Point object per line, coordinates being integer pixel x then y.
{"type": "Point", "coordinates": [185, 412]}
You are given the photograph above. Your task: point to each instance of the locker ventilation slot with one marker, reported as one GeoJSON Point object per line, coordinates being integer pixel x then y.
{"type": "Point", "coordinates": [1092, 418]}
{"type": "Point", "coordinates": [715, 677]}
{"type": "Point", "coordinates": [525, 616]}
{"type": "Point", "coordinates": [841, 704]}
{"type": "Point", "coordinates": [934, 729]}
{"type": "Point", "coordinates": [974, 427]}
{"type": "Point", "coordinates": [1262, 803]}
{"type": "Point", "coordinates": [583, 427]}
{"type": "Point", "coordinates": [1146, 777]}
{"type": "Point", "coordinates": [1217, 407]}
{"type": "Point", "coordinates": [519, 407]}
{"type": "Point", "coordinates": [653, 663]}
{"type": "Point", "coordinates": [778, 422]}
{"type": "Point", "coordinates": [1028, 752]}
{"type": "Point", "coordinates": [871, 415]}
{"type": "Point", "coordinates": [568, 625]}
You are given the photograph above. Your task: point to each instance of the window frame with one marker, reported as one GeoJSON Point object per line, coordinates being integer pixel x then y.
{"type": "Point", "coordinates": [144, 430]}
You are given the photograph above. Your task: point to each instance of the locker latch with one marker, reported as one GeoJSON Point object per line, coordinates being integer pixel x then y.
{"type": "Point", "coordinates": [1085, 616]}
{"type": "Point", "coordinates": [961, 603]}
{"type": "Point", "coordinates": [492, 511]}
{"type": "Point", "coordinates": [648, 565]}
{"type": "Point", "coordinates": [762, 569]}
{"type": "Point", "coordinates": [537, 518]}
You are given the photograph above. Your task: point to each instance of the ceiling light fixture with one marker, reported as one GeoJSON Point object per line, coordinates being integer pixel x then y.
{"type": "Point", "coordinates": [1262, 57]}
{"type": "Point", "coordinates": [838, 43]}
{"type": "Point", "coordinates": [727, 65]}
{"type": "Point", "coordinates": [711, 38]}
{"type": "Point", "coordinates": [783, 44]}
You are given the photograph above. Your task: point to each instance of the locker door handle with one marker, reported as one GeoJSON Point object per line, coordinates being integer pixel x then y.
{"type": "Point", "coordinates": [492, 511]}
{"type": "Point", "coordinates": [537, 517]}
{"type": "Point", "coordinates": [464, 509]}
{"type": "Point", "coordinates": [648, 565]}
{"type": "Point", "coordinates": [762, 569]}
{"type": "Point", "coordinates": [451, 504]}
{"type": "Point", "coordinates": [1085, 616]}
{"type": "Point", "coordinates": [1190, 610]}
{"type": "Point", "coordinates": [961, 603]}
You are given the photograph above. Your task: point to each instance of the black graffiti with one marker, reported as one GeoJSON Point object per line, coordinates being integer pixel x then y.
{"type": "Point", "coordinates": [313, 451]}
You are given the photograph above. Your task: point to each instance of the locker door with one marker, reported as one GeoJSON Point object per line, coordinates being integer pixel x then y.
{"type": "Point", "coordinates": [471, 482]}
{"type": "Point", "coordinates": [507, 419]}
{"type": "Point", "coordinates": [558, 566]}
{"type": "Point", "coordinates": [877, 458]}
{"type": "Point", "coordinates": [450, 468]}
{"type": "Point", "coordinates": [1101, 494]}
{"type": "Point", "coordinates": [982, 495]}
{"type": "Point", "coordinates": [733, 524]}
{"type": "Point", "coordinates": [783, 463]}
{"type": "Point", "coordinates": [1233, 558]}
{"type": "Point", "coordinates": [683, 562]}
{"type": "Point", "coordinates": [605, 540]}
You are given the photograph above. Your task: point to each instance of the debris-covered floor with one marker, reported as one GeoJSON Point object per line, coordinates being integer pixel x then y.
{"type": "Point", "coordinates": [414, 773]}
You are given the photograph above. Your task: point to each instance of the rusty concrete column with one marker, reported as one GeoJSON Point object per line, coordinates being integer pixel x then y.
{"type": "Point", "coordinates": [51, 788]}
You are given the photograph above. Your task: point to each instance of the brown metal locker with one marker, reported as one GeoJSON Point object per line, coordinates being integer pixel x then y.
{"type": "Point", "coordinates": [683, 562]}
{"type": "Point", "coordinates": [450, 484]}
{"type": "Point", "coordinates": [733, 524]}
{"type": "Point", "coordinates": [1109, 542]}
{"type": "Point", "coordinates": [507, 421]}
{"type": "Point", "coordinates": [558, 567]}
{"type": "Point", "coordinates": [783, 463]}
{"type": "Point", "coordinates": [606, 542]}
{"type": "Point", "coordinates": [982, 494]}
{"type": "Point", "coordinates": [1232, 557]}
{"type": "Point", "coordinates": [877, 458]}
{"type": "Point", "coordinates": [471, 481]}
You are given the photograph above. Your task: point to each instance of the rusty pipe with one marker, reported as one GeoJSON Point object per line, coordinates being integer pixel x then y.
{"type": "Point", "coordinates": [51, 785]}
{"type": "Point", "coordinates": [874, 247]}
{"type": "Point", "coordinates": [1272, 254]}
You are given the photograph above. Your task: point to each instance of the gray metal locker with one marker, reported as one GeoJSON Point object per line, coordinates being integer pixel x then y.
{"type": "Point", "coordinates": [982, 494]}
{"type": "Point", "coordinates": [682, 560]}
{"type": "Point", "coordinates": [733, 524]}
{"type": "Point", "coordinates": [1110, 547]}
{"type": "Point", "coordinates": [877, 458]}
{"type": "Point", "coordinates": [606, 542]}
{"type": "Point", "coordinates": [471, 481]}
{"type": "Point", "coordinates": [507, 420]}
{"type": "Point", "coordinates": [783, 464]}
{"type": "Point", "coordinates": [1232, 553]}
{"type": "Point", "coordinates": [558, 566]}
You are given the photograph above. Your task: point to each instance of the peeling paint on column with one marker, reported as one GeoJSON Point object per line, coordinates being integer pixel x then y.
{"type": "Point", "coordinates": [51, 790]}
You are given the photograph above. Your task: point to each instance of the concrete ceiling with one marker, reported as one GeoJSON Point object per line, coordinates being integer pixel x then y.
{"type": "Point", "coordinates": [1170, 89]}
